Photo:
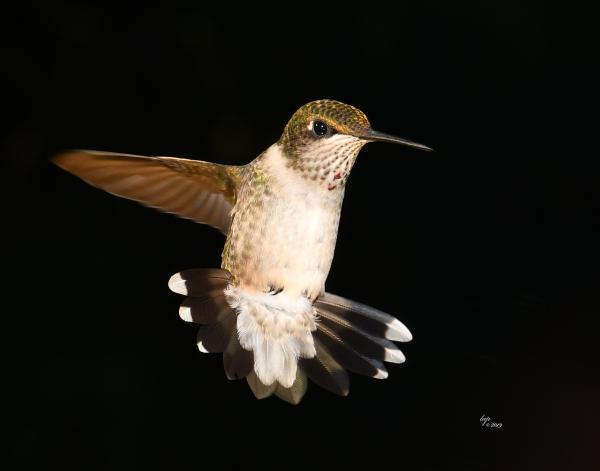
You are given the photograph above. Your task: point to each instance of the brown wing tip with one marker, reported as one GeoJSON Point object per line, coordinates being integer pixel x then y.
{"type": "Point", "coordinates": [63, 158]}
{"type": "Point", "coordinates": [71, 158]}
{"type": "Point", "coordinates": [68, 155]}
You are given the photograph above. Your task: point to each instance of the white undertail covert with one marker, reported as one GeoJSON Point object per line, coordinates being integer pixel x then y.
{"type": "Point", "coordinates": [278, 329]}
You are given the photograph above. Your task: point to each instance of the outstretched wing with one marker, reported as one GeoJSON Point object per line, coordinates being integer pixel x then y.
{"type": "Point", "coordinates": [201, 191]}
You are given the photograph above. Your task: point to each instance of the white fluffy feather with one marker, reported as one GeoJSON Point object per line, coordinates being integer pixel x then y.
{"type": "Point", "coordinates": [277, 329]}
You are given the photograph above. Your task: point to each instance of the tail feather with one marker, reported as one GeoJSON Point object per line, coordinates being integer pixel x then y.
{"type": "Point", "coordinates": [296, 392]}
{"type": "Point", "coordinates": [348, 357]}
{"type": "Point", "coordinates": [324, 370]}
{"type": "Point", "coordinates": [200, 282]}
{"type": "Point", "coordinates": [357, 315]}
{"type": "Point", "coordinates": [357, 339]}
{"type": "Point", "coordinates": [276, 342]}
{"type": "Point", "coordinates": [214, 338]}
{"type": "Point", "coordinates": [206, 310]}
{"type": "Point", "coordinates": [237, 362]}
{"type": "Point", "coordinates": [260, 390]}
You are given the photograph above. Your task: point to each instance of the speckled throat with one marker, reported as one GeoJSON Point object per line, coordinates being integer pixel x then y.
{"type": "Point", "coordinates": [328, 162]}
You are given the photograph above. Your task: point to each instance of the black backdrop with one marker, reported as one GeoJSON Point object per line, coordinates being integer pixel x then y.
{"type": "Point", "coordinates": [486, 249]}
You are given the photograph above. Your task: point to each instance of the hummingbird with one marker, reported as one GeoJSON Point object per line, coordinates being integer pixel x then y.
{"type": "Point", "coordinates": [266, 308]}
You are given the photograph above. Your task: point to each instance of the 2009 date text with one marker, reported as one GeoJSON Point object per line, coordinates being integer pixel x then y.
{"type": "Point", "coordinates": [486, 422]}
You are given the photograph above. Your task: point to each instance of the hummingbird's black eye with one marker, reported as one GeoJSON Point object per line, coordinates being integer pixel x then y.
{"type": "Point", "coordinates": [319, 128]}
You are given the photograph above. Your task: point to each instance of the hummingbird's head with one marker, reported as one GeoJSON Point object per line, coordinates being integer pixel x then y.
{"type": "Point", "coordinates": [323, 138]}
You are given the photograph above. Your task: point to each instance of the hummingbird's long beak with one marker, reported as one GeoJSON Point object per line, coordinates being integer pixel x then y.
{"type": "Point", "coordinates": [377, 136]}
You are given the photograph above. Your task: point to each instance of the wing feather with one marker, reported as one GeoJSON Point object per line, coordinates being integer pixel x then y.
{"type": "Point", "coordinates": [192, 189]}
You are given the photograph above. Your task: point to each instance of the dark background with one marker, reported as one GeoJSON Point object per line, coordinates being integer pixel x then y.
{"type": "Point", "coordinates": [487, 250]}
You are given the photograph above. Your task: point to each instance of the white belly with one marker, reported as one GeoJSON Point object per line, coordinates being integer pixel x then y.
{"type": "Point", "coordinates": [297, 248]}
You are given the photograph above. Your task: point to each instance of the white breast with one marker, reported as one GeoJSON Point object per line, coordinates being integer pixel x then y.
{"type": "Point", "coordinates": [297, 245]}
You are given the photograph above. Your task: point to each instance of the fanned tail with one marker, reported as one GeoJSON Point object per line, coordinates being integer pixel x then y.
{"type": "Point", "coordinates": [206, 304]}
{"type": "Point", "coordinates": [355, 337]}
{"type": "Point", "coordinates": [273, 343]}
